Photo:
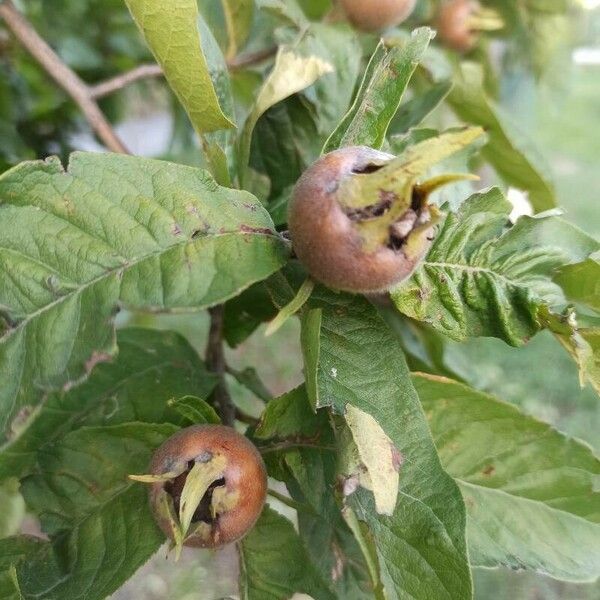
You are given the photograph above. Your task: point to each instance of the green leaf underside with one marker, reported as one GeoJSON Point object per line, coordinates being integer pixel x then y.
{"type": "Point", "coordinates": [194, 409]}
{"type": "Point", "coordinates": [274, 563]}
{"type": "Point", "coordinates": [380, 93]}
{"type": "Point", "coordinates": [99, 522]}
{"type": "Point", "coordinates": [238, 20]}
{"type": "Point", "coordinates": [581, 283]}
{"type": "Point", "coordinates": [413, 112]}
{"type": "Point", "coordinates": [287, 416]}
{"type": "Point", "coordinates": [532, 494]}
{"type": "Point", "coordinates": [150, 365]}
{"type": "Point", "coordinates": [109, 231]}
{"type": "Point", "coordinates": [512, 157]}
{"type": "Point", "coordinates": [170, 30]}
{"type": "Point", "coordinates": [581, 343]}
{"type": "Point", "coordinates": [480, 279]}
{"type": "Point", "coordinates": [361, 363]}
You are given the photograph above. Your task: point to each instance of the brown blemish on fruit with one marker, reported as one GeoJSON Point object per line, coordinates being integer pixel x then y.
{"type": "Point", "coordinates": [489, 470]}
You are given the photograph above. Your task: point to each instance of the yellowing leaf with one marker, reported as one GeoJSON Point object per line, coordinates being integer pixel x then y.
{"type": "Point", "coordinates": [291, 74]}
{"type": "Point", "coordinates": [380, 457]}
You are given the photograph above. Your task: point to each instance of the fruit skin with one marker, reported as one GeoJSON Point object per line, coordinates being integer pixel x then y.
{"type": "Point", "coordinates": [374, 15]}
{"type": "Point", "coordinates": [245, 472]}
{"type": "Point", "coordinates": [327, 242]}
{"type": "Point", "coordinates": [453, 24]}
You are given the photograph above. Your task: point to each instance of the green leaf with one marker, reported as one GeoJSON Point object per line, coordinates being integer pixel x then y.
{"type": "Point", "coordinates": [481, 279]}
{"type": "Point", "coordinates": [581, 282]}
{"type": "Point", "coordinates": [380, 93]}
{"type": "Point", "coordinates": [274, 564]}
{"type": "Point", "coordinates": [413, 112]}
{"type": "Point", "coordinates": [109, 231]}
{"type": "Point", "coordinates": [13, 508]}
{"type": "Point", "coordinates": [287, 11]}
{"type": "Point", "coordinates": [12, 551]}
{"type": "Point", "coordinates": [361, 363]}
{"type": "Point", "coordinates": [195, 410]}
{"type": "Point", "coordinates": [531, 493]}
{"type": "Point", "coordinates": [99, 522]}
{"type": "Point", "coordinates": [291, 73]}
{"type": "Point", "coordinates": [151, 368]}
{"type": "Point", "coordinates": [218, 145]}
{"type": "Point", "coordinates": [246, 312]}
{"type": "Point", "coordinates": [582, 344]}
{"type": "Point", "coordinates": [287, 416]}
{"type": "Point", "coordinates": [286, 142]}
{"type": "Point", "coordinates": [171, 32]}
{"type": "Point", "coordinates": [238, 20]}
{"type": "Point", "coordinates": [507, 151]}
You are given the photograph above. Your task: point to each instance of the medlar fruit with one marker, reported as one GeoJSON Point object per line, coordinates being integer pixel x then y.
{"type": "Point", "coordinates": [365, 246]}
{"type": "Point", "coordinates": [455, 24]}
{"type": "Point", "coordinates": [374, 15]}
{"type": "Point", "coordinates": [208, 486]}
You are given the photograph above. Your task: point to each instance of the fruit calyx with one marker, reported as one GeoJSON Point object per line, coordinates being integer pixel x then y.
{"type": "Point", "coordinates": [193, 497]}
{"type": "Point", "coordinates": [387, 205]}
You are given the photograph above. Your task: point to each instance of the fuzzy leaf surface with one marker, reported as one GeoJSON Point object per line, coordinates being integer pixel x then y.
{"type": "Point", "coordinates": [360, 362]}
{"type": "Point", "coordinates": [111, 231]}
{"type": "Point", "coordinates": [152, 367]}
{"type": "Point", "coordinates": [171, 31]}
{"type": "Point", "coordinates": [99, 522]}
{"type": "Point", "coordinates": [274, 563]}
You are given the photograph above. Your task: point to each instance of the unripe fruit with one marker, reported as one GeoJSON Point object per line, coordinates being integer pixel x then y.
{"type": "Point", "coordinates": [236, 486]}
{"type": "Point", "coordinates": [374, 15]}
{"type": "Point", "coordinates": [455, 24]}
{"type": "Point", "coordinates": [356, 249]}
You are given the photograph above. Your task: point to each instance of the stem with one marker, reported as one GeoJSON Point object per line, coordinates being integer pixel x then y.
{"type": "Point", "coordinates": [114, 84]}
{"type": "Point", "coordinates": [297, 506]}
{"type": "Point", "coordinates": [292, 308]}
{"type": "Point", "coordinates": [215, 361]}
{"type": "Point", "coordinates": [67, 79]}
{"type": "Point", "coordinates": [241, 62]}
{"type": "Point", "coordinates": [243, 417]}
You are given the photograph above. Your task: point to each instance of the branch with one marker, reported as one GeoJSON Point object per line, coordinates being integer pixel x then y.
{"type": "Point", "coordinates": [67, 79]}
{"type": "Point", "coordinates": [120, 81]}
{"type": "Point", "coordinates": [240, 62]}
{"type": "Point", "coordinates": [215, 361]}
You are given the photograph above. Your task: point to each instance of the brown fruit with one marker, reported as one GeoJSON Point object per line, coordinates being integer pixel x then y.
{"type": "Point", "coordinates": [374, 15]}
{"type": "Point", "coordinates": [234, 499]}
{"type": "Point", "coordinates": [362, 249]}
{"type": "Point", "coordinates": [454, 24]}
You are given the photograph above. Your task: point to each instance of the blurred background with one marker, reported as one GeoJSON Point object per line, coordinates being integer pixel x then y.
{"type": "Point", "coordinates": [552, 92]}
